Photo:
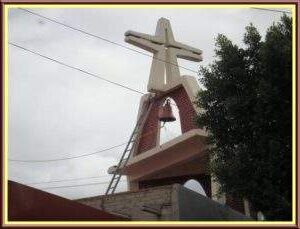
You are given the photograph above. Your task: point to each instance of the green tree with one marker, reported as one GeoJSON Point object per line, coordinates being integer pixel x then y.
{"type": "Point", "coordinates": [248, 113]}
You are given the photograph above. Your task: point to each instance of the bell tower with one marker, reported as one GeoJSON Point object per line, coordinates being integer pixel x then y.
{"type": "Point", "coordinates": [183, 158]}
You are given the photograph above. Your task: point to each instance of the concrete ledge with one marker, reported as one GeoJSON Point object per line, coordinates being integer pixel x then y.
{"type": "Point", "coordinates": [185, 147]}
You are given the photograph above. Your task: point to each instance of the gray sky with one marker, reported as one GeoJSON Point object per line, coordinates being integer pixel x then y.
{"type": "Point", "coordinates": [57, 112]}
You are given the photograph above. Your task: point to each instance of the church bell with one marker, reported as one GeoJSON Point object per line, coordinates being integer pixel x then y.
{"type": "Point", "coordinates": [165, 113]}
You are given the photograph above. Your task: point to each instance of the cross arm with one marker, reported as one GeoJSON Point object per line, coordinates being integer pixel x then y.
{"type": "Point", "coordinates": [184, 54]}
{"type": "Point", "coordinates": [187, 47]}
{"type": "Point", "coordinates": [142, 43]}
{"type": "Point", "coordinates": [154, 39]}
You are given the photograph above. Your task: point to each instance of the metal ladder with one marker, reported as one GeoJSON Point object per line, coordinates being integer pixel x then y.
{"type": "Point", "coordinates": [127, 153]}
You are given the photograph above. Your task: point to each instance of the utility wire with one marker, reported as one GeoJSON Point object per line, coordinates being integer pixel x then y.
{"type": "Point", "coordinates": [79, 185]}
{"type": "Point", "coordinates": [273, 10]}
{"type": "Point", "coordinates": [71, 179]}
{"type": "Point", "coordinates": [88, 184]}
{"type": "Point", "coordinates": [79, 156]}
{"type": "Point", "coordinates": [83, 71]}
{"type": "Point", "coordinates": [68, 158]}
{"type": "Point", "coordinates": [104, 39]}
{"type": "Point", "coordinates": [75, 68]}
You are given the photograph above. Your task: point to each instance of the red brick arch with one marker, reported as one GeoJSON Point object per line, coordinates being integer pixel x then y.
{"type": "Point", "coordinates": [150, 129]}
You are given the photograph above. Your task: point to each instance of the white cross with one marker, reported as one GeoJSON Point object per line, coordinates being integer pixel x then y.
{"type": "Point", "coordinates": [165, 52]}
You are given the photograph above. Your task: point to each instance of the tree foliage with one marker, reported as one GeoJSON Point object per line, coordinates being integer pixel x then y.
{"type": "Point", "coordinates": [248, 114]}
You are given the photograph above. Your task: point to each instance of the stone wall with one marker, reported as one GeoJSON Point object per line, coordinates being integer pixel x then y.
{"type": "Point", "coordinates": [171, 202]}
{"type": "Point", "coordinates": [157, 203]}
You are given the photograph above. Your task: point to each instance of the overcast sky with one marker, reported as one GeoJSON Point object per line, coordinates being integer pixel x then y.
{"type": "Point", "coordinates": [56, 112]}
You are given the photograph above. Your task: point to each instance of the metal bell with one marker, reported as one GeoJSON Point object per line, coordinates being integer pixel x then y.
{"type": "Point", "coordinates": [165, 113]}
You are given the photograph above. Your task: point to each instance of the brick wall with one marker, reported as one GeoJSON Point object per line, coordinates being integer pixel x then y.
{"type": "Point", "coordinates": [150, 129]}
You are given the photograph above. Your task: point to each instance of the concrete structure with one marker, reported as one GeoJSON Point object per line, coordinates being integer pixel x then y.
{"type": "Point", "coordinates": [171, 202]}
{"type": "Point", "coordinates": [27, 203]}
{"type": "Point", "coordinates": [184, 157]}
{"type": "Point", "coordinates": [152, 164]}
{"type": "Point", "coordinates": [165, 52]}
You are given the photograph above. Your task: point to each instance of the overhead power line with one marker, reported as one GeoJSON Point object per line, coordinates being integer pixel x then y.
{"type": "Point", "coordinates": [63, 180]}
{"type": "Point", "coordinates": [79, 156]}
{"type": "Point", "coordinates": [96, 183]}
{"type": "Point", "coordinates": [67, 158]}
{"type": "Point", "coordinates": [102, 38]}
{"type": "Point", "coordinates": [78, 185]}
{"type": "Point", "coordinates": [272, 10]}
{"type": "Point", "coordinates": [75, 68]}
{"type": "Point", "coordinates": [78, 69]}
{"type": "Point", "coordinates": [89, 184]}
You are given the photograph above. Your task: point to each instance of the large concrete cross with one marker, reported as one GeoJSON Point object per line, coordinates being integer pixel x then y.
{"type": "Point", "coordinates": [164, 72]}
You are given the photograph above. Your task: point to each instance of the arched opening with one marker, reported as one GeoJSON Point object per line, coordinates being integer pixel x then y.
{"type": "Point", "coordinates": [195, 186]}
{"type": "Point", "coordinates": [170, 130]}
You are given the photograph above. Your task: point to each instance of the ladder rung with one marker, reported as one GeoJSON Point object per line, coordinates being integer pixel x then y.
{"type": "Point", "coordinates": [127, 152]}
{"type": "Point", "coordinates": [127, 155]}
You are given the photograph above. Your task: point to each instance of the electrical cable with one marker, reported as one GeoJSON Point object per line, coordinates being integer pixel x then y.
{"type": "Point", "coordinates": [78, 69]}
{"type": "Point", "coordinates": [273, 10]}
{"type": "Point", "coordinates": [70, 179]}
{"type": "Point", "coordinates": [103, 39]}
{"type": "Point", "coordinates": [78, 156]}
{"type": "Point", "coordinates": [72, 67]}
{"type": "Point", "coordinates": [67, 158]}
{"type": "Point", "coordinates": [79, 185]}
{"type": "Point", "coordinates": [88, 184]}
